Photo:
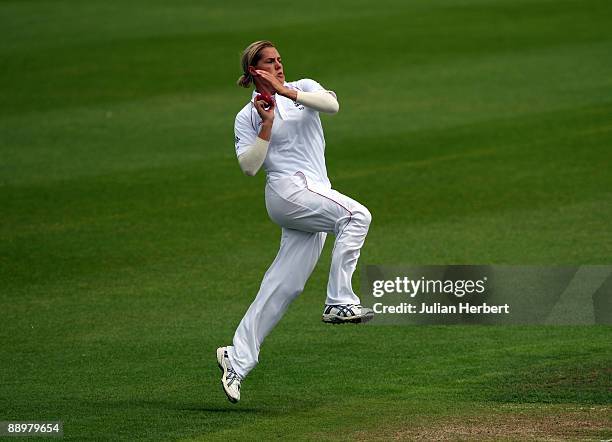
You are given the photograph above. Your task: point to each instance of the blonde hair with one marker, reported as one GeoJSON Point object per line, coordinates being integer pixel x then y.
{"type": "Point", "coordinates": [250, 57]}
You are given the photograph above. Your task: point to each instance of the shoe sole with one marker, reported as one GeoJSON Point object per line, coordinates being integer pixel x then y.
{"type": "Point", "coordinates": [223, 374]}
{"type": "Point", "coordinates": [333, 319]}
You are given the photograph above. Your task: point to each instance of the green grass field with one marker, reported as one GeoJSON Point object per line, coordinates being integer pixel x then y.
{"type": "Point", "coordinates": [476, 131]}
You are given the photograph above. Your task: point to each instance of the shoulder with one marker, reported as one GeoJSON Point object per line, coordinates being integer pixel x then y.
{"type": "Point", "coordinates": [306, 85]}
{"type": "Point", "coordinates": [246, 119]}
{"type": "Point", "coordinates": [244, 115]}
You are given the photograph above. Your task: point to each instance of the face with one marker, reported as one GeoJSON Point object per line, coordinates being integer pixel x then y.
{"type": "Point", "coordinates": [271, 61]}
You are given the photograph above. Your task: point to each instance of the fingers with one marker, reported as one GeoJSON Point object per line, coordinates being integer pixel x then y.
{"type": "Point", "coordinates": [262, 104]}
{"type": "Point", "coordinates": [262, 76]}
{"type": "Point", "coordinates": [268, 78]}
{"type": "Point", "coordinates": [267, 107]}
{"type": "Point", "coordinates": [263, 108]}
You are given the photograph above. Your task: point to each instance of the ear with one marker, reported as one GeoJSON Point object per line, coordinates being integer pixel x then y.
{"type": "Point", "coordinates": [252, 70]}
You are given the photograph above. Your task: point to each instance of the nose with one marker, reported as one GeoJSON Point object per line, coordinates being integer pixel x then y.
{"type": "Point", "coordinates": [278, 65]}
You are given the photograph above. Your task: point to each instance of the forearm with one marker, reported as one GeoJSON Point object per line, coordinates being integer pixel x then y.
{"type": "Point", "coordinates": [322, 101]}
{"type": "Point", "coordinates": [252, 159]}
{"type": "Point", "coordinates": [266, 131]}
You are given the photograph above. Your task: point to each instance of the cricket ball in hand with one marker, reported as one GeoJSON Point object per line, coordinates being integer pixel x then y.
{"type": "Point", "coordinates": [265, 97]}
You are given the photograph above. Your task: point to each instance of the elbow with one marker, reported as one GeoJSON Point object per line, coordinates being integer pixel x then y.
{"type": "Point", "coordinates": [246, 166]}
{"type": "Point", "coordinates": [334, 105]}
{"type": "Point", "coordinates": [331, 108]}
{"type": "Point", "coordinates": [252, 160]}
{"type": "Point", "coordinates": [247, 170]}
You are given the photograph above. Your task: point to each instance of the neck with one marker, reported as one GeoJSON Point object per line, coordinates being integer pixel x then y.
{"type": "Point", "coordinates": [259, 87]}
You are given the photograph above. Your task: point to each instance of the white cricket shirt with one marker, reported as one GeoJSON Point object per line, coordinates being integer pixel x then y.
{"type": "Point", "coordinates": [297, 143]}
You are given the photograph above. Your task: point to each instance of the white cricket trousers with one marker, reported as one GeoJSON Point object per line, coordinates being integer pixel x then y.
{"type": "Point", "coordinates": [307, 212]}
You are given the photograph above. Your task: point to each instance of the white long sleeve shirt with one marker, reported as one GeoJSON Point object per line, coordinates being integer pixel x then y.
{"type": "Point", "coordinates": [297, 143]}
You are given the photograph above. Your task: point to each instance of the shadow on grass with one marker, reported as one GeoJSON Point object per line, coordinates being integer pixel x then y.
{"type": "Point", "coordinates": [204, 407]}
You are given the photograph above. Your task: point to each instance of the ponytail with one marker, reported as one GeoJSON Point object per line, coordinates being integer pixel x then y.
{"type": "Point", "coordinates": [250, 57]}
{"type": "Point", "coordinates": [245, 80]}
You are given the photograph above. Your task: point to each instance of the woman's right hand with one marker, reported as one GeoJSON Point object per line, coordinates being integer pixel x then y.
{"type": "Point", "coordinates": [267, 116]}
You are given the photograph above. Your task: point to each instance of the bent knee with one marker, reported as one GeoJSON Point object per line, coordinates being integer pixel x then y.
{"type": "Point", "coordinates": [363, 215]}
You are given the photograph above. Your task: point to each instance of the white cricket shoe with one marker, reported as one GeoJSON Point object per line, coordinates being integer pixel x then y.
{"type": "Point", "coordinates": [230, 380]}
{"type": "Point", "coordinates": [346, 313]}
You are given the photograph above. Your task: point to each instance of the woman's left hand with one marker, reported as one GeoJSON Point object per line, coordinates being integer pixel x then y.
{"type": "Point", "coordinates": [271, 82]}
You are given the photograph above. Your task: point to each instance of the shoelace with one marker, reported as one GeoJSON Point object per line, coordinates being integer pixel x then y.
{"type": "Point", "coordinates": [233, 376]}
{"type": "Point", "coordinates": [348, 309]}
